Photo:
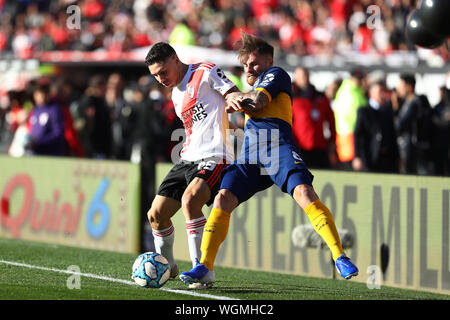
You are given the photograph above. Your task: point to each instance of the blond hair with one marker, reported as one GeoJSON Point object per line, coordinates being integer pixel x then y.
{"type": "Point", "coordinates": [252, 44]}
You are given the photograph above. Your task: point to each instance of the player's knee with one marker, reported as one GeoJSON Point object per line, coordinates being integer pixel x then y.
{"type": "Point", "coordinates": [191, 201]}
{"type": "Point", "coordinates": [225, 200]}
{"type": "Point", "coordinates": [303, 190]}
{"type": "Point", "coordinates": [154, 217]}
{"type": "Point", "coordinates": [304, 194]}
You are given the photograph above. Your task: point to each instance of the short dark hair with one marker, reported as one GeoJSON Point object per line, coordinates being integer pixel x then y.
{"type": "Point", "coordinates": [250, 44]}
{"type": "Point", "coordinates": [409, 79]}
{"type": "Point", "coordinates": [159, 52]}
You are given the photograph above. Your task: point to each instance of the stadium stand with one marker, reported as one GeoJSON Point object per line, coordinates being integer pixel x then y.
{"type": "Point", "coordinates": [298, 29]}
{"type": "Point", "coordinates": [302, 27]}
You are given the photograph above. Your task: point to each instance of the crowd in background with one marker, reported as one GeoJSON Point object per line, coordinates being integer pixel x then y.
{"type": "Point", "coordinates": [108, 119]}
{"type": "Point", "coordinates": [355, 124]}
{"type": "Point", "coordinates": [359, 124]}
{"type": "Point", "coordinates": [301, 27]}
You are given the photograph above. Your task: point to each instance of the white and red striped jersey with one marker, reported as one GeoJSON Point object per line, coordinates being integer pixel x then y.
{"type": "Point", "coordinates": [200, 104]}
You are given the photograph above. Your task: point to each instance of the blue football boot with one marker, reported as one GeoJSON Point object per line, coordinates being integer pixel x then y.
{"type": "Point", "coordinates": [345, 267]}
{"type": "Point", "coordinates": [199, 274]}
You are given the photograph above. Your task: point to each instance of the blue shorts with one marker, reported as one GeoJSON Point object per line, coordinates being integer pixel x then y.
{"type": "Point", "coordinates": [246, 179]}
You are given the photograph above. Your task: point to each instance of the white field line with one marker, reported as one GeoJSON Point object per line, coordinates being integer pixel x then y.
{"type": "Point", "coordinates": [130, 283]}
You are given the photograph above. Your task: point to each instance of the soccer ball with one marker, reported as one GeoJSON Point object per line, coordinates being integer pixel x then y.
{"type": "Point", "coordinates": [150, 270]}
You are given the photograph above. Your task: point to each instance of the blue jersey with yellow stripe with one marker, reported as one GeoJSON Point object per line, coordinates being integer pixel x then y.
{"type": "Point", "coordinates": [276, 84]}
{"type": "Point", "coordinates": [269, 154]}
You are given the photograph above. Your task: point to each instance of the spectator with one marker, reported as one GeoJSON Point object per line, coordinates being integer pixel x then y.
{"type": "Point", "coordinates": [115, 102]}
{"type": "Point", "coordinates": [151, 123]}
{"type": "Point", "coordinates": [441, 145]}
{"type": "Point", "coordinates": [182, 35]}
{"type": "Point", "coordinates": [129, 118]}
{"type": "Point", "coordinates": [92, 9]}
{"type": "Point", "coordinates": [363, 39]}
{"type": "Point", "coordinates": [96, 134]}
{"type": "Point", "coordinates": [313, 123]}
{"type": "Point", "coordinates": [165, 123]}
{"type": "Point", "coordinates": [62, 94]}
{"type": "Point", "coordinates": [339, 10]}
{"type": "Point", "coordinates": [414, 128]}
{"type": "Point", "coordinates": [21, 134]}
{"type": "Point", "coordinates": [46, 125]}
{"type": "Point", "coordinates": [15, 108]}
{"type": "Point", "coordinates": [376, 148]}
{"type": "Point", "coordinates": [349, 98]}
{"type": "Point", "coordinates": [331, 89]}
{"type": "Point", "coordinates": [18, 117]}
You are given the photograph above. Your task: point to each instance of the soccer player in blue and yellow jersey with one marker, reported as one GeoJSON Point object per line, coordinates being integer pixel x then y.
{"type": "Point", "coordinates": [268, 130]}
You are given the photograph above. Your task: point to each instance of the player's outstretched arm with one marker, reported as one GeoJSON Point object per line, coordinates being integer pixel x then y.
{"type": "Point", "coordinates": [228, 107]}
{"type": "Point", "coordinates": [251, 101]}
{"type": "Point", "coordinates": [232, 90]}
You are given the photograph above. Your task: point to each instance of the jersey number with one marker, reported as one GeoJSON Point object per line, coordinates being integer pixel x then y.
{"type": "Point", "coordinates": [207, 165]}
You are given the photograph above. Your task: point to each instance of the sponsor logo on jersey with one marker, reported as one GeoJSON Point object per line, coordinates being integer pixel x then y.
{"type": "Point", "coordinates": [190, 116]}
{"type": "Point", "coordinates": [267, 79]}
{"type": "Point", "coordinates": [297, 157]}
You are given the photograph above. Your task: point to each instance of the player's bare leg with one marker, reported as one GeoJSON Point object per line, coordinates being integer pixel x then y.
{"type": "Point", "coordinates": [304, 194]}
{"type": "Point", "coordinates": [226, 200]}
{"type": "Point", "coordinates": [192, 202]}
{"type": "Point", "coordinates": [159, 216]}
{"type": "Point", "coordinates": [323, 222]}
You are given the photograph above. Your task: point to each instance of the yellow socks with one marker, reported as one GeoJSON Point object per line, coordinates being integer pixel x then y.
{"type": "Point", "coordinates": [216, 230]}
{"type": "Point", "coordinates": [323, 222]}
{"type": "Point", "coordinates": [214, 234]}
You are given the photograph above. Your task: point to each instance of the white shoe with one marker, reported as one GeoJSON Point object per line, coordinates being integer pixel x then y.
{"type": "Point", "coordinates": [201, 286]}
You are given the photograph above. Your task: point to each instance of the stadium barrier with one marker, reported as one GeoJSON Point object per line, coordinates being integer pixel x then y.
{"type": "Point", "coordinates": [399, 226]}
{"type": "Point", "coordinates": [84, 203]}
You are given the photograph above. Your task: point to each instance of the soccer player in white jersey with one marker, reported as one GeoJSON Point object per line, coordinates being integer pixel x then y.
{"type": "Point", "coordinates": [198, 93]}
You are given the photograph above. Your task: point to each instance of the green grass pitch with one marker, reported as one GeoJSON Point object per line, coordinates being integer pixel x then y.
{"type": "Point", "coordinates": [37, 271]}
